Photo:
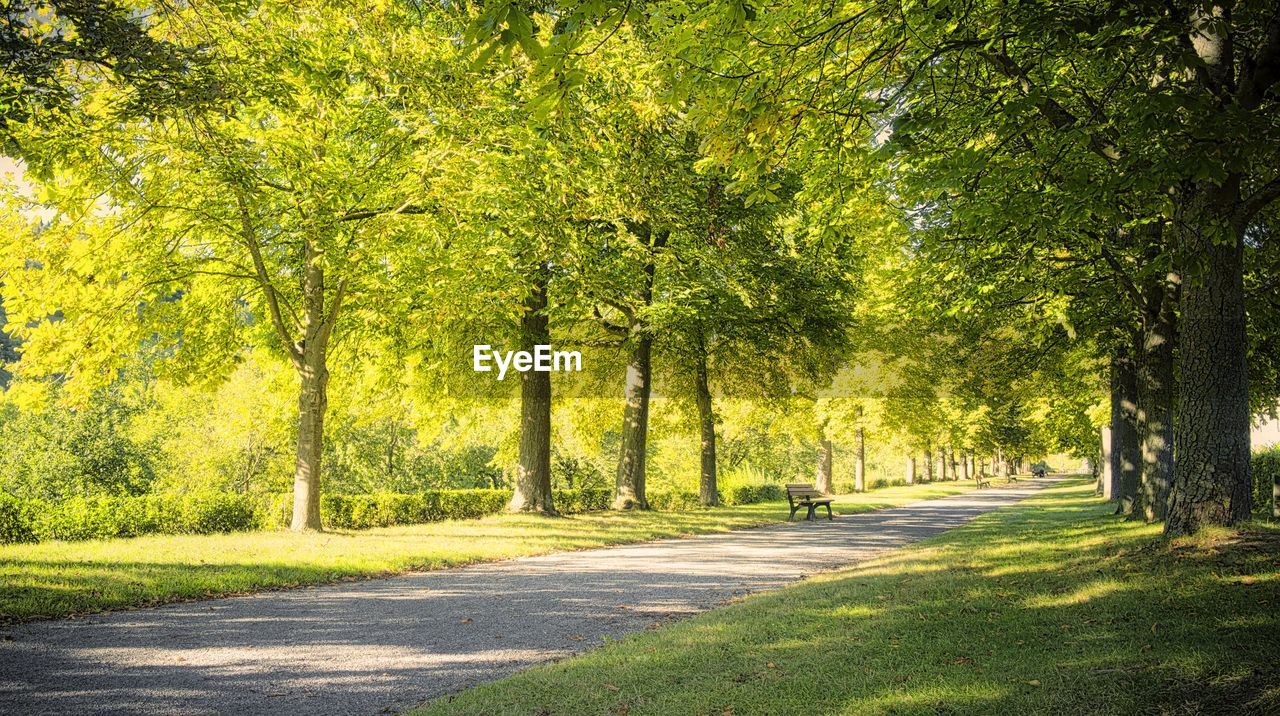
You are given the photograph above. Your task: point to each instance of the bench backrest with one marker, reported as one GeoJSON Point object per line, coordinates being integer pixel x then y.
{"type": "Point", "coordinates": [801, 490]}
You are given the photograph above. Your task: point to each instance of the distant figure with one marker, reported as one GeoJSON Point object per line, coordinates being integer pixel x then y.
{"type": "Point", "coordinates": [1037, 471]}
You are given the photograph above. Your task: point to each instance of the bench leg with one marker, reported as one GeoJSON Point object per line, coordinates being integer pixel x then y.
{"type": "Point", "coordinates": [792, 516]}
{"type": "Point", "coordinates": [813, 513]}
{"type": "Point", "coordinates": [829, 513]}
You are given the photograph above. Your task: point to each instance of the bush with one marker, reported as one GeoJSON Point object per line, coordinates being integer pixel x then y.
{"type": "Point", "coordinates": [587, 499]}
{"type": "Point", "coordinates": [878, 483]}
{"type": "Point", "coordinates": [15, 520]}
{"type": "Point", "coordinates": [1266, 470]}
{"type": "Point", "coordinates": [673, 500]}
{"type": "Point", "coordinates": [752, 494]}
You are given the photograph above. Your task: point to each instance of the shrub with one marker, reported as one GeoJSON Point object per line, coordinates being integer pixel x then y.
{"type": "Point", "coordinates": [587, 499]}
{"type": "Point", "coordinates": [1266, 470]}
{"type": "Point", "coordinates": [752, 494]}
{"type": "Point", "coordinates": [844, 487]}
{"type": "Point", "coordinates": [15, 520]}
{"type": "Point", "coordinates": [673, 500]}
{"type": "Point", "coordinates": [878, 483]}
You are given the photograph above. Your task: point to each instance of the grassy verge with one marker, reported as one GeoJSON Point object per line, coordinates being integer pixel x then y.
{"type": "Point", "coordinates": [55, 579]}
{"type": "Point", "coordinates": [1052, 606]}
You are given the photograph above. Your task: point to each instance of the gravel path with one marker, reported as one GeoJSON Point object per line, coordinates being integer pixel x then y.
{"type": "Point", "coordinates": [386, 645]}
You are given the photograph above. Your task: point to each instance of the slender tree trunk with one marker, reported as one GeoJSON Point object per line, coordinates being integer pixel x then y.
{"type": "Point", "coordinates": [860, 463]}
{"type": "Point", "coordinates": [629, 492]}
{"type": "Point", "coordinates": [911, 470]}
{"type": "Point", "coordinates": [708, 490]}
{"type": "Point", "coordinates": [942, 464]}
{"type": "Point", "coordinates": [822, 482]}
{"type": "Point", "coordinates": [964, 466]}
{"type": "Point", "coordinates": [955, 467]}
{"type": "Point", "coordinates": [1126, 455]}
{"type": "Point", "coordinates": [630, 482]}
{"type": "Point", "coordinates": [1155, 377]}
{"type": "Point", "coordinates": [310, 359]}
{"type": "Point", "coordinates": [928, 464]}
{"type": "Point", "coordinates": [313, 403]}
{"type": "Point", "coordinates": [533, 471]}
{"type": "Point", "coordinates": [1212, 439]}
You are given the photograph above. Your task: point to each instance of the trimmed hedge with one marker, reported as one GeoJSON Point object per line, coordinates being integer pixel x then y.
{"type": "Point", "coordinates": [1266, 472]}
{"type": "Point", "coordinates": [102, 517]}
{"type": "Point", "coordinates": [80, 518]}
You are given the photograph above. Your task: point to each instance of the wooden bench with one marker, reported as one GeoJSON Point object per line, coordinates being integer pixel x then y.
{"type": "Point", "coordinates": [803, 495]}
{"type": "Point", "coordinates": [1037, 472]}
{"type": "Point", "coordinates": [983, 482]}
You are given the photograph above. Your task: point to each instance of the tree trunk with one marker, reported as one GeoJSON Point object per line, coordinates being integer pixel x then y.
{"type": "Point", "coordinates": [964, 466]}
{"type": "Point", "coordinates": [1002, 465]}
{"type": "Point", "coordinates": [955, 467]}
{"type": "Point", "coordinates": [911, 470]}
{"type": "Point", "coordinates": [1126, 455]}
{"type": "Point", "coordinates": [629, 493]}
{"type": "Point", "coordinates": [942, 464]}
{"type": "Point", "coordinates": [860, 462]}
{"type": "Point", "coordinates": [310, 359]}
{"type": "Point", "coordinates": [1212, 484]}
{"type": "Point", "coordinates": [823, 482]}
{"type": "Point", "coordinates": [1155, 378]}
{"type": "Point", "coordinates": [533, 472]}
{"type": "Point", "coordinates": [630, 483]}
{"type": "Point", "coordinates": [928, 464]}
{"type": "Point", "coordinates": [708, 490]}
{"type": "Point", "coordinates": [313, 403]}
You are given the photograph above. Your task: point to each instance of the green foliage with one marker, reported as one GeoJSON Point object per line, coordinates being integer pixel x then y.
{"type": "Point", "coordinates": [673, 500]}
{"type": "Point", "coordinates": [107, 516]}
{"type": "Point", "coordinates": [1266, 472]}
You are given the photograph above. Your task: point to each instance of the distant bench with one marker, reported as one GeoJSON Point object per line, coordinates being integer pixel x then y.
{"type": "Point", "coordinates": [803, 495]}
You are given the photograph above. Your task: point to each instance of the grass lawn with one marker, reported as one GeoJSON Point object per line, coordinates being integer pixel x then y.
{"type": "Point", "coordinates": [1052, 606]}
{"type": "Point", "coordinates": [56, 579]}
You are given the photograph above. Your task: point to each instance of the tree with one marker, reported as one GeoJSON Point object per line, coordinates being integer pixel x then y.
{"type": "Point", "coordinates": [281, 213]}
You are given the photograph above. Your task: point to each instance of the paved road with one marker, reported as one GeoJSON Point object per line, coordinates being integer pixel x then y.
{"type": "Point", "coordinates": [386, 645]}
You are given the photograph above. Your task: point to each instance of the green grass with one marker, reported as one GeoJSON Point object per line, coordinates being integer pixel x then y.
{"type": "Point", "coordinates": [56, 579]}
{"type": "Point", "coordinates": [1052, 606]}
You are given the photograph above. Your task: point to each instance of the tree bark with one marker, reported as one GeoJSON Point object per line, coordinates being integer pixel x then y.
{"type": "Point", "coordinates": [1155, 376]}
{"type": "Point", "coordinates": [708, 490]}
{"type": "Point", "coordinates": [860, 462]}
{"type": "Point", "coordinates": [964, 466]}
{"type": "Point", "coordinates": [533, 471]}
{"type": "Point", "coordinates": [1212, 439]}
{"type": "Point", "coordinates": [313, 403]}
{"type": "Point", "coordinates": [911, 470]}
{"type": "Point", "coordinates": [1126, 455]}
{"type": "Point", "coordinates": [629, 492]}
{"type": "Point", "coordinates": [310, 359]}
{"type": "Point", "coordinates": [928, 464]}
{"type": "Point", "coordinates": [823, 481]}
{"type": "Point", "coordinates": [630, 483]}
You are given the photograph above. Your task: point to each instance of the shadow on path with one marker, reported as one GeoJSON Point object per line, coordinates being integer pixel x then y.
{"type": "Point", "coordinates": [386, 645]}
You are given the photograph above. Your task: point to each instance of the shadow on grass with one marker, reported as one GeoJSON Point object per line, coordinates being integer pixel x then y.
{"type": "Point", "coordinates": [1054, 606]}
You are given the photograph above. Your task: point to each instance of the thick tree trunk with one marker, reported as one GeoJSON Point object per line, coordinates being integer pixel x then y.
{"type": "Point", "coordinates": [860, 462]}
{"type": "Point", "coordinates": [1212, 439]}
{"type": "Point", "coordinates": [1126, 454]}
{"type": "Point", "coordinates": [1155, 378]}
{"type": "Point", "coordinates": [629, 493]}
{"type": "Point", "coordinates": [964, 466]}
{"type": "Point", "coordinates": [911, 470]}
{"type": "Point", "coordinates": [928, 464]}
{"type": "Point", "coordinates": [942, 464]}
{"type": "Point", "coordinates": [533, 471]}
{"type": "Point", "coordinates": [708, 490]}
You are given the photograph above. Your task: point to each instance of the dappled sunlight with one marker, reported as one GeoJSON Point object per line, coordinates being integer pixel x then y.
{"type": "Point", "coordinates": [1093, 590]}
